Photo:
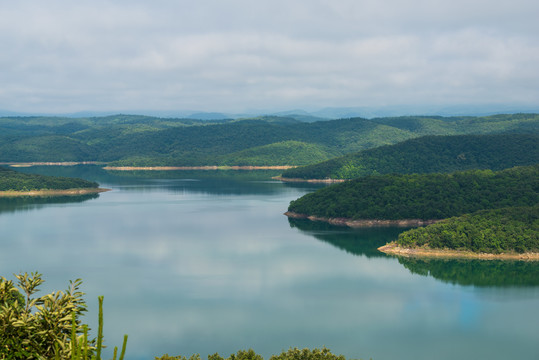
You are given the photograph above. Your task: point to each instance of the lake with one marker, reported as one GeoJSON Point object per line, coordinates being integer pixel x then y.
{"type": "Point", "coordinates": [205, 262]}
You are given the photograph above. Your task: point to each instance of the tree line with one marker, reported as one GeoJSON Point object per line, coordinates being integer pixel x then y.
{"type": "Point", "coordinates": [423, 196]}
{"type": "Point", "coordinates": [11, 180]}
{"type": "Point", "coordinates": [429, 154]}
{"type": "Point", "coordinates": [513, 229]}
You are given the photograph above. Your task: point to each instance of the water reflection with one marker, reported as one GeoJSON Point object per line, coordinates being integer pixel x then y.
{"type": "Point", "coordinates": [186, 273]}
{"type": "Point", "coordinates": [480, 273]}
{"type": "Point", "coordinates": [28, 203]}
{"type": "Point", "coordinates": [354, 241]}
{"type": "Point", "coordinates": [210, 182]}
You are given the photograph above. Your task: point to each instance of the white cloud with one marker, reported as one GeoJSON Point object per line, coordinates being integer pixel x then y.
{"type": "Point", "coordinates": [212, 55]}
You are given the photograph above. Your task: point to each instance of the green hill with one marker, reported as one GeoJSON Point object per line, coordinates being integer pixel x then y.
{"type": "Point", "coordinates": [429, 154]}
{"type": "Point", "coordinates": [144, 140]}
{"type": "Point", "coordinates": [422, 196]}
{"type": "Point", "coordinates": [281, 153]}
{"type": "Point", "coordinates": [460, 125]}
{"type": "Point", "coordinates": [514, 229]}
{"type": "Point", "coordinates": [11, 180]}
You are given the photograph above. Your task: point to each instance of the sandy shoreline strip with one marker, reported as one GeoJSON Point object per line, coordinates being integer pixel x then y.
{"type": "Point", "coordinates": [53, 192]}
{"type": "Point", "coordinates": [49, 163]}
{"type": "Point", "coordinates": [363, 223]}
{"type": "Point", "coordinates": [147, 168]}
{"type": "Point", "coordinates": [168, 168]}
{"type": "Point", "coordinates": [394, 249]}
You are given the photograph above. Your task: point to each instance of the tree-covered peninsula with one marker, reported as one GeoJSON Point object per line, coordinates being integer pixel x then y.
{"type": "Point", "coordinates": [14, 182]}
{"type": "Point", "coordinates": [422, 196]}
{"type": "Point", "coordinates": [496, 231]}
{"type": "Point", "coordinates": [428, 154]}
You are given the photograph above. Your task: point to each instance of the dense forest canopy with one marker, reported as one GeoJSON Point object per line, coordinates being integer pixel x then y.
{"type": "Point", "coordinates": [423, 196]}
{"type": "Point", "coordinates": [266, 140]}
{"type": "Point", "coordinates": [11, 180]}
{"type": "Point", "coordinates": [514, 229]}
{"type": "Point", "coordinates": [429, 154]}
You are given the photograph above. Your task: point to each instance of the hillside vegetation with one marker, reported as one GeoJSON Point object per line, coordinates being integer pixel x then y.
{"type": "Point", "coordinates": [267, 140]}
{"type": "Point", "coordinates": [423, 196]}
{"type": "Point", "coordinates": [429, 154]}
{"type": "Point", "coordinates": [514, 229]}
{"type": "Point", "coordinates": [11, 180]}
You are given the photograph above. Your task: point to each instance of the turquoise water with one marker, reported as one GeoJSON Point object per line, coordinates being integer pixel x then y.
{"type": "Point", "coordinates": [205, 262]}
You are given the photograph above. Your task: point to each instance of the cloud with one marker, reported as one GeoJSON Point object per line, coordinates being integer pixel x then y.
{"type": "Point", "coordinates": [226, 56]}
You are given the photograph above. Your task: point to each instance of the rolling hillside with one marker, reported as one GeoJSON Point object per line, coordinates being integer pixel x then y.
{"type": "Point", "coordinates": [429, 154]}
{"type": "Point", "coordinates": [266, 140]}
{"type": "Point", "coordinates": [422, 196]}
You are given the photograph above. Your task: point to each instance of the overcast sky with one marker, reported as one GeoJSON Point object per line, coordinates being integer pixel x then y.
{"type": "Point", "coordinates": [61, 56]}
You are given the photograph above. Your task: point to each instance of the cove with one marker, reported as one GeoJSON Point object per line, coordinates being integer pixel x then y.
{"type": "Point", "coordinates": [205, 262]}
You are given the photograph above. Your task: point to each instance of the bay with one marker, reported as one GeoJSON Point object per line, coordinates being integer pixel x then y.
{"type": "Point", "coordinates": [205, 262]}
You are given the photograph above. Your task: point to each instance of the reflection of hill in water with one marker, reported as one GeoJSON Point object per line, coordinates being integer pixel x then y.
{"type": "Point", "coordinates": [213, 182]}
{"type": "Point", "coordinates": [354, 241]}
{"type": "Point", "coordinates": [27, 203]}
{"type": "Point", "coordinates": [499, 273]}
{"type": "Point", "coordinates": [480, 273]}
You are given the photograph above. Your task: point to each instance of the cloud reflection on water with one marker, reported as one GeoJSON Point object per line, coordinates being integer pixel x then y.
{"type": "Point", "coordinates": [199, 272]}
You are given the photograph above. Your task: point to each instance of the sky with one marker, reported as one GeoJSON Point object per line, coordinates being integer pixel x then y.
{"type": "Point", "coordinates": [61, 56]}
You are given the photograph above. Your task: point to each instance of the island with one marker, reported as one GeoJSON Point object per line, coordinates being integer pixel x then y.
{"type": "Point", "coordinates": [15, 183]}
{"type": "Point", "coordinates": [484, 211]}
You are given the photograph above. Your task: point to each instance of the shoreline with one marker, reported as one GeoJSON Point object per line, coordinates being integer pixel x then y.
{"type": "Point", "coordinates": [47, 192]}
{"type": "Point", "coordinates": [296, 180]}
{"type": "Point", "coordinates": [146, 168]}
{"type": "Point", "coordinates": [363, 223]}
{"type": "Point", "coordinates": [393, 249]}
{"type": "Point", "coordinates": [50, 163]}
{"type": "Point", "coordinates": [209, 167]}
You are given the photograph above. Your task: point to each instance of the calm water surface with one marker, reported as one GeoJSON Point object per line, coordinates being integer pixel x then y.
{"type": "Point", "coordinates": [206, 262]}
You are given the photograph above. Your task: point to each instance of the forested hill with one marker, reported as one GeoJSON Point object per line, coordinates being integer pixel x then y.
{"type": "Point", "coordinates": [11, 180]}
{"type": "Point", "coordinates": [269, 140]}
{"type": "Point", "coordinates": [429, 154]}
{"type": "Point", "coordinates": [514, 229]}
{"type": "Point", "coordinates": [423, 196]}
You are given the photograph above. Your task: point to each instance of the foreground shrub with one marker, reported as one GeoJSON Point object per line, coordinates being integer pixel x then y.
{"type": "Point", "coordinates": [46, 327]}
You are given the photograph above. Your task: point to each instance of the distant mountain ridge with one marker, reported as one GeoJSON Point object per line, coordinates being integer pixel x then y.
{"type": "Point", "coordinates": [326, 113]}
{"type": "Point", "coordinates": [138, 140]}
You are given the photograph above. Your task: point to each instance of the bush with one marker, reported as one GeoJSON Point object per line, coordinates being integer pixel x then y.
{"type": "Point", "coordinates": [46, 327]}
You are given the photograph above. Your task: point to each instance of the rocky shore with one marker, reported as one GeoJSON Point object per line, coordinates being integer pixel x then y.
{"type": "Point", "coordinates": [362, 223]}
{"type": "Point", "coordinates": [394, 249]}
{"type": "Point", "coordinates": [325, 181]}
